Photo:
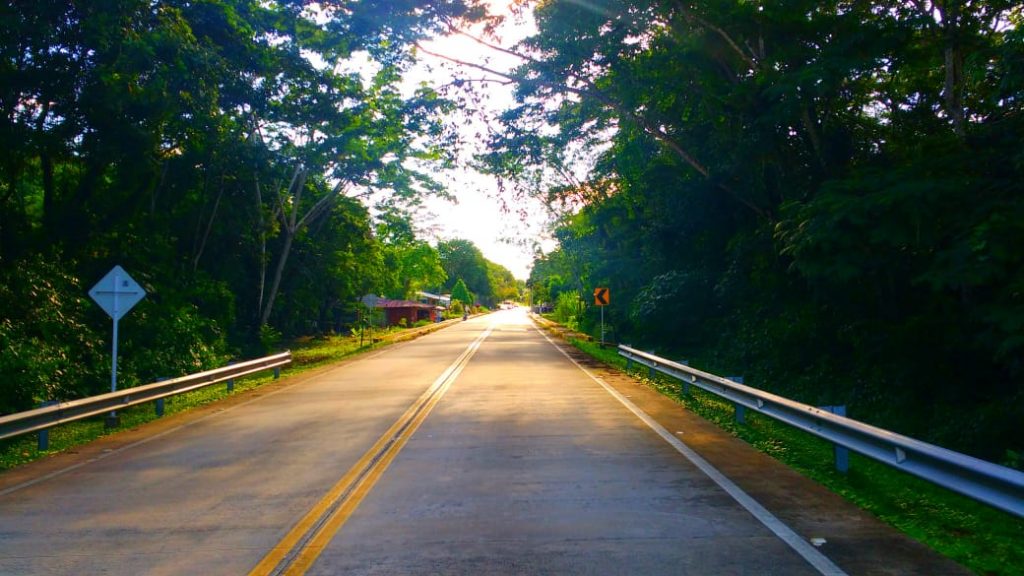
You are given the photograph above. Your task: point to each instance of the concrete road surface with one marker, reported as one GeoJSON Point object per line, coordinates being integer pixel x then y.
{"type": "Point", "coordinates": [480, 449]}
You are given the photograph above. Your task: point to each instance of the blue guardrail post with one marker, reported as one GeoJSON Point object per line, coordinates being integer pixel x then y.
{"type": "Point", "coordinates": [158, 404]}
{"type": "Point", "coordinates": [840, 453]}
{"type": "Point", "coordinates": [741, 411]}
{"type": "Point", "coordinates": [686, 379]}
{"type": "Point", "coordinates": [43, 440]}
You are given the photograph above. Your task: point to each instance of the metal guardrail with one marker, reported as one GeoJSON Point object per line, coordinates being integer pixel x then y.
{"type": "Point", "coordinates": [61, 412]}
{"type": "Point", "coordinates": [986, 482]}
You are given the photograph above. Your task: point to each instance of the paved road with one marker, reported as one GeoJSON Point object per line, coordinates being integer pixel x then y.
{"type": "Point", "coordinates": [480, 449]}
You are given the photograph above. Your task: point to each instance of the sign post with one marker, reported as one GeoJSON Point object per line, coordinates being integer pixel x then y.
{"type": "Point", "coordinates": [116, 293]}
{"type": "Point", "coordinates": [601, 299]}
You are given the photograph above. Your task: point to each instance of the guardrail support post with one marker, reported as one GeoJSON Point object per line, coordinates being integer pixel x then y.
{"type": "Point", "coordinates": [650, 369]}
{"type": "Point", "coordinates": [231, 381]}
{"type": "Point", "coordinates": [277, 372]}
{"type": "Point", "coordinates": [741, 411]}
{"type": "Point", "coordinates": [840, 453]}
{"type": "Point", "coordinates": [158, 404]}
{"type": "Point", "coordinates": [685, 380]}
{"type": "Point", "coordinates": [43, 440]}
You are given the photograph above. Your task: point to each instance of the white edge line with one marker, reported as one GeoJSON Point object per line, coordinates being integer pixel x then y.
{"type": "Point", "coordinates": [808, 552]}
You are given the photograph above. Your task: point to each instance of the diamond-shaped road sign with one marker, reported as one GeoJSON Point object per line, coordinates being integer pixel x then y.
{"type": "Point", "coordinates": [117, 293]}
{"type": "Point", "coordinates": [601, 297]}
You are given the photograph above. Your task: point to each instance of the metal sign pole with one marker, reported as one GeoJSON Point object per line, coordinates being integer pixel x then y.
{"type": "Point", "coordinates": [112, 417]}
{"type": "Point", "coordinates": [113, 363]}
{"type": "Point", "coordinates": [117, 310]}
{"type": "Point", "coordinates": [602, 325]}
{"type": "Point", "coordinates": [112, 421]}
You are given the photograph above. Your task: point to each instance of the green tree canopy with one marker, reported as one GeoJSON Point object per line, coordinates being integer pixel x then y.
{"type": "Point", "coordinates": [410, 264]}
{"type": "Point", "coordinates": [462, 260]}
{"type": "Point", "coordinates": [217, 149]}
{"type": "Point", "coordinates": [460, 293]}
{"type": "Point", "coordinates": [823, 195]}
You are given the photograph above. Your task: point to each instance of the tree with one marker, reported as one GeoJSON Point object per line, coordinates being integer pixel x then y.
{"type": "Point", "coordinates": [819, 200]}
{"type": "Point", "coordinates": [503, 284]}
{"type": "Point", "coordinates": [410, 264]}
{"type": "Point", "coordinates": [462, 260]}
{"type": "Point", "coordinates": [460, 293]}
{"type": "Point", "coordinates": [217, 150]}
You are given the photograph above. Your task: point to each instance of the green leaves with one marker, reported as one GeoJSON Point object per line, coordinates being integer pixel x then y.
{"type": "Point", "coordinates": [826, 195]}
{"type": "Point", "coordinates": [460, 293]}
{"type": "Point", "coordinates": [163, 136]}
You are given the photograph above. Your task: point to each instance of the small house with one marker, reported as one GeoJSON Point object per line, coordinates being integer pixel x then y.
{"type": "Point", "coordinates": [412, 312]}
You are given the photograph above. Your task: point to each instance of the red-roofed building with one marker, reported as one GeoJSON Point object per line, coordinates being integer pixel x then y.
{"type": "Point", "coordinates": [413, 312]}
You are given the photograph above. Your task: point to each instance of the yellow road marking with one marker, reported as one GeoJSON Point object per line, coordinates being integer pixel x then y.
{"type": "Point", "coordinates": [323, 537]}
{"type": "Point", "coordinates": [352, 488]}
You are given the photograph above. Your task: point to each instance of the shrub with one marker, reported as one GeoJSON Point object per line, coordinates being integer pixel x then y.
{"type": "Point", "coordinates": [568, 309]}
{"type": "Point", "coordinates": [269, 338]}
{"type": "Point", "coordinates": [51, 343]}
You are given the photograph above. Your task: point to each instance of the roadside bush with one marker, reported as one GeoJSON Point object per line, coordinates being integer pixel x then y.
{"type": "Point", "coordinates": [167, 341]}
{"type": "Point", "coordinates": [50, 344]}
{"type": "Point", "coordinates": [269, 338]}
{"type": "Point", "coordinates": [568, 309]}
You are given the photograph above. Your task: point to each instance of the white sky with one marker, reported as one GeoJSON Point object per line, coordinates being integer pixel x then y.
{"type": "Point", "coordinates": [503, 237]}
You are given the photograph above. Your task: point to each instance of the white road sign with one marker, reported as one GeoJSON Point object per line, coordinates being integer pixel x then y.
{"type": "Point", "coordinates": [117, 293]}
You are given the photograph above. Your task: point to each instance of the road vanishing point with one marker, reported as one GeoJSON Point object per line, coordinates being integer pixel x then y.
{"type": "Point", "coordinates": [483, 448]}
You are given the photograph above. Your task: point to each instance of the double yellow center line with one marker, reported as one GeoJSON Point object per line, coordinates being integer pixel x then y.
{"type": "Point", "coordinates": [304, 543]}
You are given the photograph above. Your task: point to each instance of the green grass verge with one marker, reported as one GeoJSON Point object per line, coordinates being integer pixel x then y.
{"type": "Point", "coordinates": [307, 354]}
{"type": "Point", "coordinates": [985, 540]}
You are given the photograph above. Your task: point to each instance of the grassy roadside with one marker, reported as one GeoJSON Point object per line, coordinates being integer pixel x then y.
{"type": "Point", "coordinates": [307, 354]}
{"type": "Point", "coordinates": [981, 538]}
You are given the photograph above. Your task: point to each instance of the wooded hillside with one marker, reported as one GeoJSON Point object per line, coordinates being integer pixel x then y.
{"type": "Point", "coordinates": [227, 153]}
{"type": "Point", "coordinates": [826, 197]}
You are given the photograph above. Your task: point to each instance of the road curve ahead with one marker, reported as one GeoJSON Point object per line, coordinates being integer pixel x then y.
{"type": "Point", "coordinates": [480, 449]}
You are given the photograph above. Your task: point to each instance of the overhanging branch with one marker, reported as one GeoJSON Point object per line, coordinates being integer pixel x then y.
{"type": "Point", "coordinates": [591, 91]}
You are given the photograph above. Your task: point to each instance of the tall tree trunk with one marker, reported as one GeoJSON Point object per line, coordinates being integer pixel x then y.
{"type": "Point", "coordinates": [278, 272]}
{"type": "Point", "coordinates": [263, 247]}
{"type": "Point", "coordinates": [46, 164]}
{"type": "Point", "coordinates": [291, 224]}
{"type": "Point", "coordinates": [953, 89]}
{"type": "Point", "coordinates": [949, 21]}
{"type": "Point", "coordinates": [209, 226]}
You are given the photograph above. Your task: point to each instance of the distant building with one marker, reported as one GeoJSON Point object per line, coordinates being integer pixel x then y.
{"type": "Point", "coordinates": [412, 312]}
{"type": "Point", "coordinates": [442, 300]}
{"type": "Point", "coordinates": [392, 312]}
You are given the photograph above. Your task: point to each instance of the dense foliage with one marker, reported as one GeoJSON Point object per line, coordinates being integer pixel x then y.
{"type": "Point", "coordinates": [225, 153]}
{"type": "Point", "coordinates": [487, 281]}
{"type": "Point", "coordinates": [826, 196]}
